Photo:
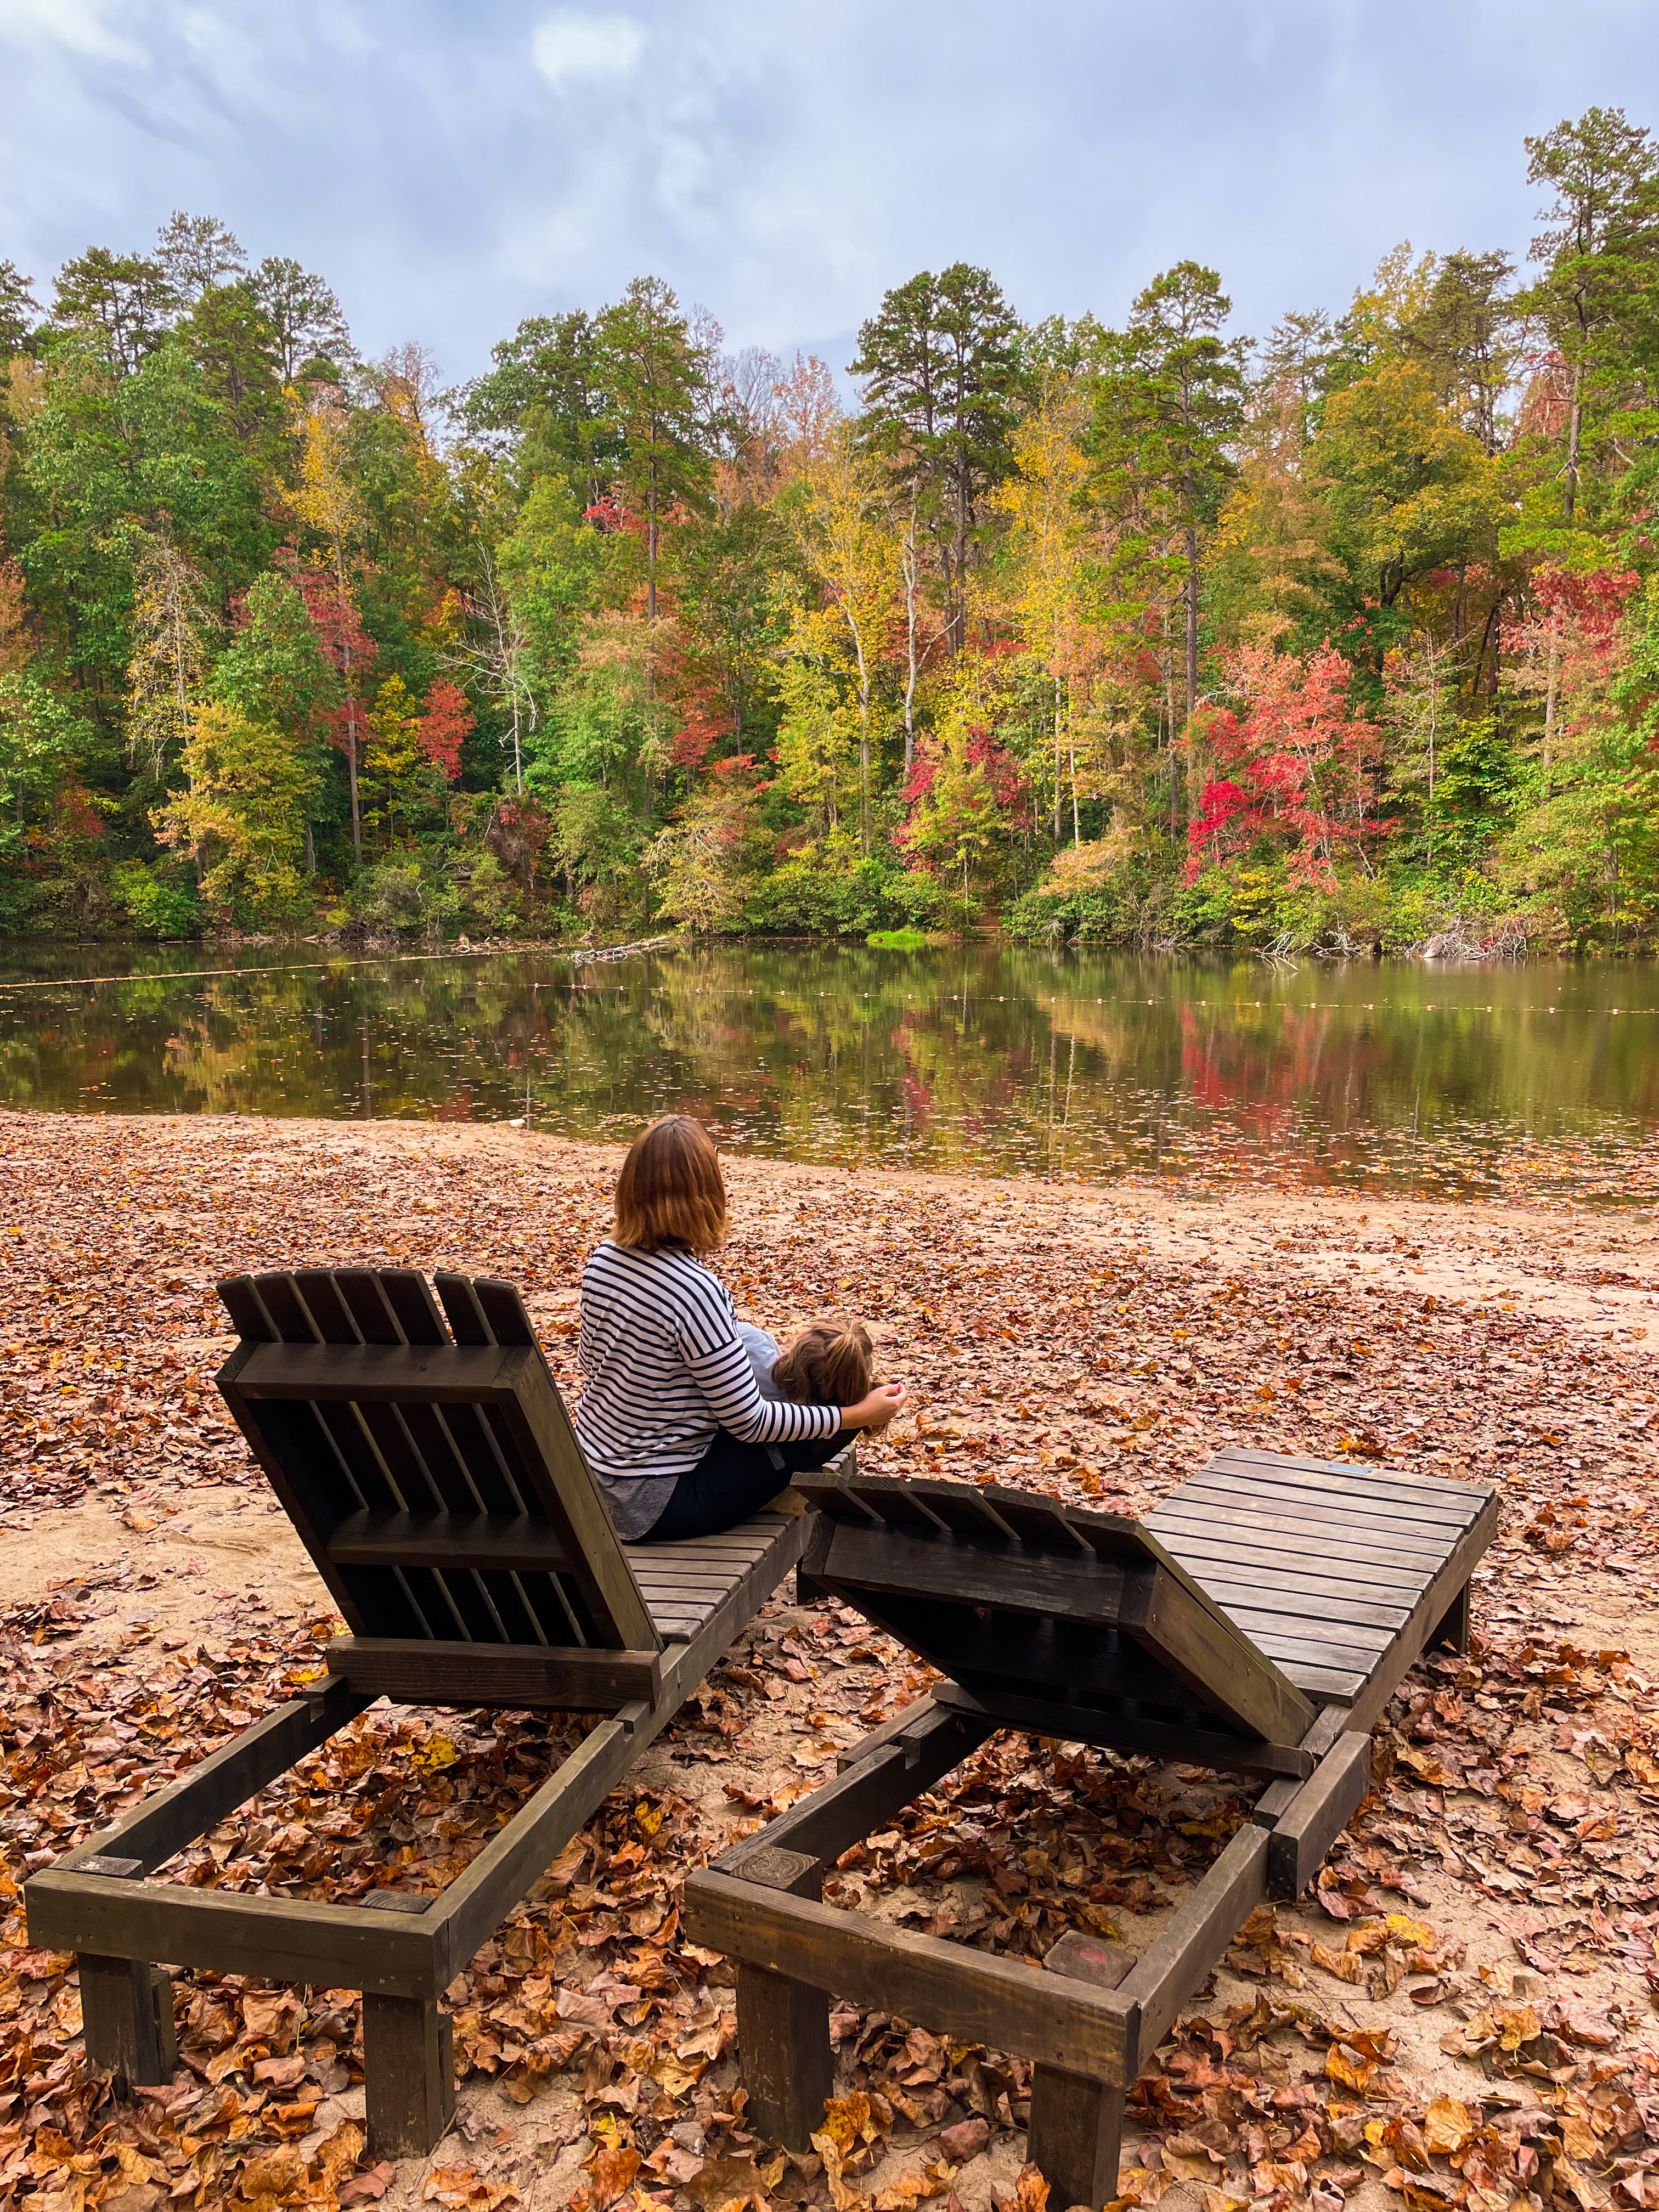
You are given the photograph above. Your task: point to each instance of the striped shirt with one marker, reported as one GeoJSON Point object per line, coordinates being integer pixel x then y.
{"type": "Point", "coordinates": [666, 1368]}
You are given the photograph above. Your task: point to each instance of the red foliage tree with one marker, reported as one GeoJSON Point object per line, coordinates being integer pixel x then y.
{"type": "Point", "coordinates": [446, 722]}
{"type": "Point", "coordinates": [1293, 769]}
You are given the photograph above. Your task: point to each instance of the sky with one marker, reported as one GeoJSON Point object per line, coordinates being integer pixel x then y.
{"type": "Point", "coordinates": [453, 165]}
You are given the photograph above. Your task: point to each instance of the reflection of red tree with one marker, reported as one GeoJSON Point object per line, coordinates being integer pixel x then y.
{"type": "Point", "coordinates": [1260, 1084]}
{"type": "Point", "coordinates": [457, 1109]}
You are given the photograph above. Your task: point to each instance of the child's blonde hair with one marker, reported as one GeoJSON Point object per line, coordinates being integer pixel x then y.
{"type": "Point", "coordinates": [830, 1363]}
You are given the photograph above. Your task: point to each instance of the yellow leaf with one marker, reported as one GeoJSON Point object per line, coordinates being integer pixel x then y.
{"type": "Point", "coordinates": [437, 1751]}
{"type": "Point", "coordinates": [1415, 1935]}
{"type": "Point", "coordinates": [1449, 2126]}
{"type": "Point", "coordinates": [649, 1818]}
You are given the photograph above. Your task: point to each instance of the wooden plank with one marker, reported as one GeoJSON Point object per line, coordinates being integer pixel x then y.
{"type": "Point", "coordinates": [974, 1994]}
{"type": "Point", "coordinates": [384, 1374]}
{"type": "Point", "coordinates": [1184, 1632]}
{"type": "Point", "coordinates": [1320, 1683]}
{"type": "Point", "coordinates": [1311, 1541]}
{"type": "Point", "coordinates": [1192, 1743]}
{"type": "Point", "coordinates": [120, 2012]}
{"type": "Point", "coordinates": [1346, 1470]}
{"type": "Point", "coordinates": [1213, 1547]}
{"type": "Point", "coordinates": [476, 1900]}
{"type": "Point", "coordinates": [1223, 1670]}
{"type": "Point", "coordinates": [409, 2076]}
{"type": "Point", "coordinates": [1356, 1641]}
{"type": "Point", "coordinates": [831, 1818]}
{"type": "Point", "coordinates": [1075, 2139]}
{"type": "Point", "coordinates": [539, 1426]}
{"type": "Point", "coordinates": [1027, 1656]}
{"type": "Point", "coordinates": [881, 1734]}
{"type": "Point", "coordinates": [1431, 1607]}
{"type": "Point", "coordinates": [1332, 1722]}
{"type": "Point", "coordinates": [783, 2026]}
{"type": "Point", "coordinates": [200, 1799]}
{"type": "Point", "coordinates": [280, 1938]}
{"type": "Point", "coordinates": [1292, 1514]}
{"type": "Point", "coordinates": [1301, 1838]}
{"type": "Point", "coordinates": [1345, 1505]}
{"type": "Point", "coordinates": [447, 1540]}
{"type": "Point", "coordinates": [1293, 1606]}
{"type": "Point", "coordinates": [560, 1679]}
{"type": "Point", "coordinates": [1292, 1582]}
{"type": "Point", "coordinates": [1179, 1959]}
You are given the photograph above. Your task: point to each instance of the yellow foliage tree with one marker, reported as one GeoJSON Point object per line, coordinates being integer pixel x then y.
{"type": "Point", "coordinates": [846, 535]}
{"type": "Point", "coordinates": [326, 499]}
{"type": "Point", "coordinates": [242, 815]}
{"type": "Point", "coordinates": [171, 618]}
{"type": "Point", "coordinates": [393, 764]}
{"type": "Point", "coordinates": [1047, 553]}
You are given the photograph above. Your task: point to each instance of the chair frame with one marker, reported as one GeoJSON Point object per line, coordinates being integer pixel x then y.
{"type": "Point", "coordinates": [1093, 2020]}
{"type": "Point", "coordinates": [96, 1900]}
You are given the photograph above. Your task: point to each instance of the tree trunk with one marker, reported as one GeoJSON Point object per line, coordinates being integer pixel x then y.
{"type": "Point", "coordinates": [1192, 622]}
{"type": "Point", "coordinates": [1575, 423]}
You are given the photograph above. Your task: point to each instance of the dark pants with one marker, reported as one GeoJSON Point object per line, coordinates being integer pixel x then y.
{"type": "Point", "coordinates": [733, 1481]}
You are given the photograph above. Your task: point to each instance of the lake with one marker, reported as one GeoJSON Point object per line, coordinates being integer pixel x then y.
{"type": "Point", "coordinates": [984, 1057]}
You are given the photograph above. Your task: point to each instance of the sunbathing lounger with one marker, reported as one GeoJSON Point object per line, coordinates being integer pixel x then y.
{"type": "Point", "coordinates": [1257, 1622]}
{"type": "Point", "coordinates": [432, 1473]}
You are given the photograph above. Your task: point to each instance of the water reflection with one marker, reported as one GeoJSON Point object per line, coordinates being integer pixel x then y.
{"type": "Point", "coordinates": [981, 1057]}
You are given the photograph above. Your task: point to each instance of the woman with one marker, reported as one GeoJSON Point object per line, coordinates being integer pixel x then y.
{"type": "Point", "coordinates": [671, 1419]}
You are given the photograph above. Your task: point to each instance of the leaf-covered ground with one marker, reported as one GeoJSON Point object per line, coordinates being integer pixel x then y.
{"type": "Point", "coordinates": [1461, 2013]}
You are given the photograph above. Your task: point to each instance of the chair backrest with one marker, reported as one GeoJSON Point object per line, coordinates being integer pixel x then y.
{"type": "Point", "coordinates": [1012, 1594]}
{"type": "Point", "coordinates": [430, 1471]}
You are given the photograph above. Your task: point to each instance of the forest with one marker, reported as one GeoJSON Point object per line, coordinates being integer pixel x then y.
{"type": "Point", "coordinates": [1142, 632]}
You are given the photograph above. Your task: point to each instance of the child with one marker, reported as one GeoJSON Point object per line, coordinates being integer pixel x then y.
{"type": "Point", "coordinates": [672, 1421]}
{"type": "Point", "coordinates": [831, 1360]}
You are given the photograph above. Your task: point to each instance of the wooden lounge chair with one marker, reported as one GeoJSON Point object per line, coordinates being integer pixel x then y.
{"type": "Point", "coordinates": [1257, 1622]}
{"type": "Point", "coordinates": [434, 1477]}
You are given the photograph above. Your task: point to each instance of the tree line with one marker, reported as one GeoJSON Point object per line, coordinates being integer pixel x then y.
{"type": "Point", "coordinates": [1146, 632]}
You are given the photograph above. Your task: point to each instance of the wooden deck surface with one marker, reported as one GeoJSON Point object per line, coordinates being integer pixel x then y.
{"type": "Point", "coordinates": [684, 1584]}
{"type": "Point", "coordinates": [1320, 1564]}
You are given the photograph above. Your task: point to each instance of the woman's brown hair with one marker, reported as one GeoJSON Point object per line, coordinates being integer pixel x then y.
{"type": "Point", "coordinates": [828, 1363]}
{"type": "Point", "coordinates": [670, 1195]}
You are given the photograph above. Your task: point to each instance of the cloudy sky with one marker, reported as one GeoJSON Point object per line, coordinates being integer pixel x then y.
{"type": "Point", "coordinates": [450, 166]}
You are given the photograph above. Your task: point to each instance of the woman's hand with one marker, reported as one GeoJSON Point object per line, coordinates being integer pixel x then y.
{"type": "Point", "coordinates": [876, 1410]}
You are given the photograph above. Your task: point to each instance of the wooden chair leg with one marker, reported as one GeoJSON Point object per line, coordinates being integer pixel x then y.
{"type": "Point", "coordinates": [409, 2075]}
{"type": "Point", "coordinates": [1076, 2137]}
{"type": "Point", "coordinates": [783, 2041]}
{"type": "Point", "coordinates": [783, 2027]}
{"type": "Point", "coordinates": [1454, 1628]}
{"type": "Point", "coordinates": [126, 2013]}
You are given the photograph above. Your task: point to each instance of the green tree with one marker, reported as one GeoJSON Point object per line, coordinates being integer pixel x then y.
{"type": "Point", "coordinates": [197, 254]}
{"type": "Point", "coordinates": [311, 330]}
{"type": "Point", "coordinates": [20, 312]}
{"type": "Point", "coordinates": [1169, 404]}
{"type": "Point", "coordinates": [274, 673]}
{"type": "Point", "coordinates": [122, 300]}
{"type": "Point", "coordinates": [548, 399]}
{"type": "Point", "coordinates": [943, 376]}
{"type": "Point", "coordinates": [1599, 255]}
{"type": "Point", "coordinates": [661, 379]}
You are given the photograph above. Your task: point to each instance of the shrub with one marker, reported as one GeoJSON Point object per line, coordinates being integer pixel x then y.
{"type": "Point", "coordinates": [394, 895]}
{"type": "Point", "coordinates": [155, 902]}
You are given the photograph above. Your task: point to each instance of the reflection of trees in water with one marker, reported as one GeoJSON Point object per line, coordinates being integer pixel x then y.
{"type": "Point", "coordinates": [978, 1054]}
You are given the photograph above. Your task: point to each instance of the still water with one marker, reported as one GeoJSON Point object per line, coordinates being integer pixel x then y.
{"type": "Point", "coordinates": [982, 1057]}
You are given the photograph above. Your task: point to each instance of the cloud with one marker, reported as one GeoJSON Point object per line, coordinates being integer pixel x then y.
{"type": "Point", "coordinates": [453, 165]}
{"type": "Point", "coordinates": [78, 25]}
{"type": "Point", "coordinates": [570, 49]}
